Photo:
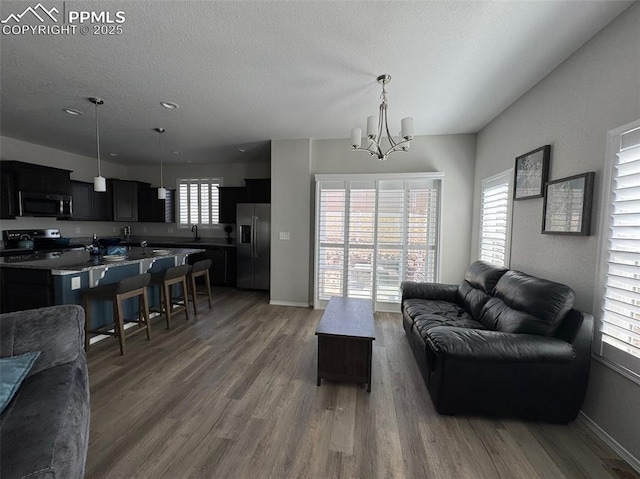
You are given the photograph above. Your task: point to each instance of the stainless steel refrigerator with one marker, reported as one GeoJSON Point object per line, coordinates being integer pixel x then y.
{"type": "Point", "coordinates": [254, 250]}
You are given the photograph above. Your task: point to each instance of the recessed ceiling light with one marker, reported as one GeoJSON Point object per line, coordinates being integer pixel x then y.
{"type": "Point", "coordinates": [113, 154]}
{"type": "Point", "coordinates": [177, 152]}
{"type": "Point", "coordinates": [242, 150]}
{"type": "Point", "coordinates": [170, 105]}
{"type": "Point", "coordinates": [71, 111]}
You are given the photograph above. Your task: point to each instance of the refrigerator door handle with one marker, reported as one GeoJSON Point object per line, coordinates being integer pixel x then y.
{"type": "Point", "coordinates": [255, 237]}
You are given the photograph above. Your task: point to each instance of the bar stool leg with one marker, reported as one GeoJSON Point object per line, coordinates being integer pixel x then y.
{"type": "Point", "coordinates": [192, 280]}
{"type": "Point", "coordinates": [208, 283]}
{"type": "Point", "coordinates": [145, 311]}
{"type": "Point", "coordinates": [118, 315]}
{"type": "Point", "coordinates": [87, 322]}
{"type": "Point", "coordinates": [166, 295]}
{"type": "Point", "coordinates": [184, 297]}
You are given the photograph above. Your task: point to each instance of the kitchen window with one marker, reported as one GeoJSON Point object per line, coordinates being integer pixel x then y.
{"type": "Point", "coordinates": [618, 312]}
{"type": "Point", "coordinates": [198, 202]}
{"type": "Point", "coordinates": [495, 219]}
{"type": "Point", "coordinates": [373, 232]}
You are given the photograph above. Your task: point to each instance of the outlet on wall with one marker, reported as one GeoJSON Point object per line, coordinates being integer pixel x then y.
{"type": "Point", "coordinates": [144, 230]}
{"type": "Point", "coordinates": [170, 230]}
{"type": "Point", "coordinates": [75, 283]}
{"type": "Point", "coordinates": [285, 235]}
{"type": "Point", "coordinates": [78, 230]}
{"type": "Point", "coordinates": [114, 229]}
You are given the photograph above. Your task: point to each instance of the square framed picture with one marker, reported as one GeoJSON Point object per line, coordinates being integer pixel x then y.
{"type": "Point", "coordinates": [567, 205]}
{"type": "Point", "coordinates": [531, 173]}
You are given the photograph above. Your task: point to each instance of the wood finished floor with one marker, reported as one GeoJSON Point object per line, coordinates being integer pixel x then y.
{"type": "Point", "coordinates": [232, 394]}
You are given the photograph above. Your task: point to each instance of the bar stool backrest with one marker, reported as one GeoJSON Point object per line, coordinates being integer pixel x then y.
{"type": "Point", "coordinates": [176, 272]}
{"type": "Point", "coordinates": [133, 282]}
{"type": "Point", "coordinates": [201, 265]}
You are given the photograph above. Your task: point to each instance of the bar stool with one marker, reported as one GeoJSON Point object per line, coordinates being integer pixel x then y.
{"type": "Point", "coordinates": [199, 269]}
{"type": "Point", "coordinates": [131, 287]}
{"type": "Point", "coordinates": [166, 280]}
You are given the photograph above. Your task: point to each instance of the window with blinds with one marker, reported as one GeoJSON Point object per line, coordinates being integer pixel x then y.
{"type": "Point", "coordinates": [495, 219]}
{"type": "Point", "coordinates": [373, 233]}
{"type": "Point", "coordinates": [198, 202]}
{"type": "Point", "coordinates": [620, 307]}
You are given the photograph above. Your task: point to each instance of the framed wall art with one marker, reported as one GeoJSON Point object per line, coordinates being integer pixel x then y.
{"type": "Point", "coordinates": [531, 173]}
{"type": "Point", "coordinates": [567, 205]}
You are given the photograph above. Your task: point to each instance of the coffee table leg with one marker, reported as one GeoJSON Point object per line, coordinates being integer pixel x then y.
{"type": "Point", "coordinates": [369, 353]}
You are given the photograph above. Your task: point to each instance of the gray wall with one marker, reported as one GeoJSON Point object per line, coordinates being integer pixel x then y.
{"type": "Point", "coordinates": [452, 154]}
{"type": "Point", "coordinates": [595, 90]}
{"type": "Point", "coordinates": [290, 212]}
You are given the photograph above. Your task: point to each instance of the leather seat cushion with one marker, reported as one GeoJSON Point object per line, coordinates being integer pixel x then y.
{"type": "Point", "coordinates": [427, 322]}
{"type": "Point", "coordinates": [483, 345]}
{"type": "Point", "coordinates": [418, 307]}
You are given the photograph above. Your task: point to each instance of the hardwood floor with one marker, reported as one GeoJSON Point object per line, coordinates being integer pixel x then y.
{"type": "Point", "coordinates": [232, 394]}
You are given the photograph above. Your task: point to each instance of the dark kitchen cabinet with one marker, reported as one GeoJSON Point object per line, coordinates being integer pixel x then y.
{"type": "Point", "coordinates": [151, 209]}
{"type": "Point", "coordinates": [24, 288]}
{"type": "Point", "coordinates": [229, 197]}
{"type": "Point", "coordinates": [89, 204]}
{"type": "Point", "coordinates": [223, 264]}
{"type": "Point", "coordinates": [123, 195]}
{"type": "Point", "coordinates": [8, 195]}
{"type": "Point", "coordinates": [258, 190]}
{"type": "Point", "coordinates": [39, 179]}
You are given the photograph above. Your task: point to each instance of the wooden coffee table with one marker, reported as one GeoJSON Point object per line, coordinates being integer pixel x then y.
{"type": "Point", "coordinates": [345, 341]}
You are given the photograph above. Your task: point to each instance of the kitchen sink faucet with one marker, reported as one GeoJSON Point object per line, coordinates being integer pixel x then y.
{"type": "Point", "coordinates": [195, 228]}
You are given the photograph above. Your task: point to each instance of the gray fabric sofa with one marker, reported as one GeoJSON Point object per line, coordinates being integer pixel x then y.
{"type": "Point", "coordinates": [44, 430]}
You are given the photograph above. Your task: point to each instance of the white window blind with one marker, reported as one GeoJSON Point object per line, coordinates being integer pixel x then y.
{"type": "Point", "coordinates": [372, 233]}
{"type": "Point", "coordinates": [198, 202]}
{"type": "Point", "coordinates": [620, 322]}
{"type": "Point", "coordinates": [495, 219]}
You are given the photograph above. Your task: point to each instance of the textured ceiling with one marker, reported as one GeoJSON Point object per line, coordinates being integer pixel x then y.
{"type": "Point", "coordinates": [247, 72]}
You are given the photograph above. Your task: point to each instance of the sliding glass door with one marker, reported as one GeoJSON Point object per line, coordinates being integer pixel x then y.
{"type": "Point", "coordinates": [373, 232]}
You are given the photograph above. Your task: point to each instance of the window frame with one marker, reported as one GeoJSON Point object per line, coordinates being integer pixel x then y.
{"type": "Point", "coordinates": [216, 183]}
{"type": "Point", "coordinates": [320, 178]}
{"type": "Point", "coordinates": [508, 175]}
{"type": "Point", "coordinates": [615, 358]}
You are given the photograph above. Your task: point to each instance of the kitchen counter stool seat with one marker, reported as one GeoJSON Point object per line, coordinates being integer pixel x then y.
{"type": "Point", "coordinates": [166, 280]}
{"type": "Point", "coordinates": [130, 287]}
{"type": "Point", "coordinates": [199, 269]}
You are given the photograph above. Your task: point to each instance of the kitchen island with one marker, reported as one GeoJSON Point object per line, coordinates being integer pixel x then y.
{"type": "Point", "coordinates": [45, 279]}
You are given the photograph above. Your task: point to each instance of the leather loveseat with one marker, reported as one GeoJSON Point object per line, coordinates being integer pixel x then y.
{"type": "Point", "coordinates": [502, 343]}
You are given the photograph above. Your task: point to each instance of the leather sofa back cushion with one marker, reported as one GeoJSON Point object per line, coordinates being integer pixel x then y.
{"type": "Point", "coordinates": [528, 305]}
{"type": "Point", "coordinates": [479, 281]}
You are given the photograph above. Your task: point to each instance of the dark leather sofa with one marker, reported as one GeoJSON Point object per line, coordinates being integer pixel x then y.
{"type": "Point", "coordinates": [502, 343]}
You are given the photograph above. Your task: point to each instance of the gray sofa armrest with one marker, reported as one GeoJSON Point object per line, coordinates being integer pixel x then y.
{"type": "Point", "coordinates": [56, 331]}
{"type": "Point", "coordinates": [432, 291]}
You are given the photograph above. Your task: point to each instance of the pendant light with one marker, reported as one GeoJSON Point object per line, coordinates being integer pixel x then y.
{"type": "Point", "coordinates": [162, 192]}
{"type": "Point", "coordinates": [99, 183]}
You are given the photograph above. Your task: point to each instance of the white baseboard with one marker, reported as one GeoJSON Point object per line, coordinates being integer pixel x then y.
{"type": "Point", "coordinates": [289, 303]}
{"type": "Point", "coordinates": [611, 442]}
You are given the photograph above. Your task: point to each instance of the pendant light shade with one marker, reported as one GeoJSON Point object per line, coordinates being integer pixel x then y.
{"type": "Point", "coordinates": [99, 182]}
{"type": "Point", "coordinates": [162, 192]}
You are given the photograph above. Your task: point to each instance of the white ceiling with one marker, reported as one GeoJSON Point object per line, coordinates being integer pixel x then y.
{"type": "Point", "coordinates": [247, 72]}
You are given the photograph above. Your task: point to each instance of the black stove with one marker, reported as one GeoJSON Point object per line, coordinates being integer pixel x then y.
{"type": "Point", "coordinates": [44, 240]}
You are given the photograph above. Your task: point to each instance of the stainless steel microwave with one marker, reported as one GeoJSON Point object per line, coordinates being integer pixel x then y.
{"type": "Point", "coordinates": [43, 204]}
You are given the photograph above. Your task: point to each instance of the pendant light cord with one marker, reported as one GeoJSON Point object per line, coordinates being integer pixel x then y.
{"type": "Point", "coordinates": [160, 149]}
{"type": "Point", "coordinates": [98, 138]}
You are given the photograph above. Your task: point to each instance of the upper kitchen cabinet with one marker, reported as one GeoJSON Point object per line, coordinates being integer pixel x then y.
{"type": "Point", "coordinates": [37, 178]}
{"type": "Point", "coordinates": [123, 195]}
{"type": "Point", "coordinates": [258, 190]}
{"type": "Point", "coordinates": [8, 195]}
{"type": "Point", "coordinates": [229, 197]}
{"type": "Point", "coordinates": [89, 204]}
{"type": "Point", "coordinates": [151, 209]}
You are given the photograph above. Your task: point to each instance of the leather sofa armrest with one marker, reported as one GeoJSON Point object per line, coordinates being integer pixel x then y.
{"type": "Point", "coordinates": [478, 345]}
{"type": "Point", "coordinates": [56, 331]}
{"type": "Point", "coordinates": [432, 291]}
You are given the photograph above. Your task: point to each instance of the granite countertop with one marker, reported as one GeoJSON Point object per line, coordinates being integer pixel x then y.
{"type": "Point", "coordinates": [181, 241]}
{"type": "Point", "coordinates": [78, 260]}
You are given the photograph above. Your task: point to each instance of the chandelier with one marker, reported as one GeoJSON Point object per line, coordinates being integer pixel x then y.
{"type": "Point", "coordinates": [375, 132]}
